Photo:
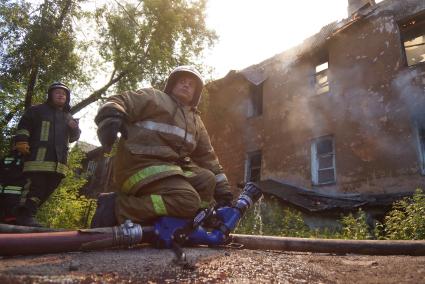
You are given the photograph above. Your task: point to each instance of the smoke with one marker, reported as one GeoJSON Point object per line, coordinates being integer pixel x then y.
{"type": "Point", "coordinates": [410, 86]}
{"type": "Point", "coordinates": [368, 120]}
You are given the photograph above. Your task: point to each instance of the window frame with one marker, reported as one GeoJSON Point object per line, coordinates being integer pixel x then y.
{"type": "Point", "coordinates": [410, 31]}
{"type": "Point", "coordinates": [325, 72]}
{"type": "Point", "coordinates": [315, 160]}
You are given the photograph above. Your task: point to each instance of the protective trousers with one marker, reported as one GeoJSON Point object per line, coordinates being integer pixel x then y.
{"type": "Point", "coordinates": [177, 196]}
{"type": "Point", "coordinates": [38, 189]}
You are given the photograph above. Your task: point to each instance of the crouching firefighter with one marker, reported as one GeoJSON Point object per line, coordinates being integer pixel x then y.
{"type": "Point", "coordinates": [164, 163]}
{"type": "Point", "coordinates": [43, 135]}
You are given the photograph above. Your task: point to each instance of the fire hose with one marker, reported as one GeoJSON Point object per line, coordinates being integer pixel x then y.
{"type": "Point", "coordinates": [210, 227]}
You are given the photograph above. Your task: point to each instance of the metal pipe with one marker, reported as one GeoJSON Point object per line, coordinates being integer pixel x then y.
{"type": "Point", "coordinates": [370, 247]}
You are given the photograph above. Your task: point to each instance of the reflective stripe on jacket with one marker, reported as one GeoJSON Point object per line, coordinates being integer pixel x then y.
{"type": "Point", "coordinates": [161, 133]}
{"type": "Point", "coordinates": [11, 189]}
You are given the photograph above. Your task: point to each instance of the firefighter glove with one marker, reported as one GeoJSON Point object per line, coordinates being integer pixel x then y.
{"type": "Point", "coordinates": [108, 131]}
{"type": "Point", "coordinates": [23, 147]}
{"type": "Point", "coordinates": [223, 196]}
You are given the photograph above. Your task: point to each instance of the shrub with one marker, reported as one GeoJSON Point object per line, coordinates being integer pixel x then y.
{"type": "Point", "coordinates": [406, 220]}
{"type": "Point", "coordinates": [252, 223]}
{"type": "Point", "coordinates": [268, 217]}
{"type": "Point", "coordinates": [355, 227]}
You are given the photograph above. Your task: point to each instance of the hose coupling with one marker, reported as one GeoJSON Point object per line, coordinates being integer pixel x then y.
{"type": "Point", "coordinates": [128, 234]}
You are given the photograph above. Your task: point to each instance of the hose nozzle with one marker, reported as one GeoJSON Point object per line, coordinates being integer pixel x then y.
{"type": "Point", "coordinates": [250, 194]}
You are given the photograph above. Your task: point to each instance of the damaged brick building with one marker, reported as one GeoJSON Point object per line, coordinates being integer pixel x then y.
{"type": "Point", "coordinates": [336, 122]}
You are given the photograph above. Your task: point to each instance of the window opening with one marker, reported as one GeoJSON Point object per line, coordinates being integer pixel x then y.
{"type": "Point", "coordinates": [413, 37]}
{"type": "Point", "coordinates": [323, 160]}
{"type": "Point", "coordinates": [253, 167]}
{"type": "Point", "coordinates": [321, 78]}
{"type": "Point", "coordinates": [256, 98]}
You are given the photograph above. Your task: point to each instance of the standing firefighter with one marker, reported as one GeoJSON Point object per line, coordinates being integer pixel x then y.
{"type": "Point", "coordinates": [165, 164]}
{"type": "Point", "coordinates": [43, 135]}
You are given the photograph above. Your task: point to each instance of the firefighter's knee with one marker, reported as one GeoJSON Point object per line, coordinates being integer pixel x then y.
{"type": "Point", "coordinates": [185, 204]}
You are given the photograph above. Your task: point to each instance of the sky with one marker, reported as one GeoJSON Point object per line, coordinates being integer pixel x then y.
{"type": "Point", "coordinates": [251, 31]}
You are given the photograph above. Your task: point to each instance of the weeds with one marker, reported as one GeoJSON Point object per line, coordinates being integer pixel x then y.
{"type": "Point", "coordinates": [405, 221]}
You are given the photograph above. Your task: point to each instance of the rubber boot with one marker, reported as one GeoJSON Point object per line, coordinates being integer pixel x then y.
{"type": "Point", "coordinates": [105, 211]}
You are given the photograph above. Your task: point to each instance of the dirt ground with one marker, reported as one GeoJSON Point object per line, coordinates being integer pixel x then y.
{"type": "Point", "coordinates": [207, 265]}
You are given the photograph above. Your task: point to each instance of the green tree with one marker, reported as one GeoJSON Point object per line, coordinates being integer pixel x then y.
{"type": "Point", "coordinates": [38, 46]}
{"type": "Point", "coordinates": [143, 41]}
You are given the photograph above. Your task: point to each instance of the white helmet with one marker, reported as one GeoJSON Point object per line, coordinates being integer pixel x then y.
{"type": "Point", "coordinates": [185, 69]}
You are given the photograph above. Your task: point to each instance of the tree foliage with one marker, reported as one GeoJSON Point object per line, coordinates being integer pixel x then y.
{"type": "Point", "coordinates": [144, 40]}
{"type": "Point", "coordinates": [38, 46]}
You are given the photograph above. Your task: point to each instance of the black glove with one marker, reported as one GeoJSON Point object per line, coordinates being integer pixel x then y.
{"type": "Point", "coordinates": [223, 197]}
{"type": "Point", "coordinates": [108, 130]}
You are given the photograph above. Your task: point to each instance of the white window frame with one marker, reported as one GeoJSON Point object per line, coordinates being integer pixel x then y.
{"type": "Point", "coordinates": [315, 161]}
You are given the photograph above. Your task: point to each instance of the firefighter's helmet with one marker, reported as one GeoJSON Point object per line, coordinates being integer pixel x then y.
{"type": "Point", "coordinates": [172, 78]}
{"type": "Point", "coordinates": [60, 85]}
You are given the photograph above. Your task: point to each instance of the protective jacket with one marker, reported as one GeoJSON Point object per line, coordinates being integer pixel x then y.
{"type": "Point", "coordinates": [46, 130]}
{"type": "Point", "coordinates": [164, 139]}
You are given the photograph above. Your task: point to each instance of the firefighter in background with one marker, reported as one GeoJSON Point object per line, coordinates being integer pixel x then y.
{"type": "Point", "coordinates": [164, 163]}
{"type": "Point", "coordinates": [12, 182]}
{"type": "Point", "coordinates": [43, 135]}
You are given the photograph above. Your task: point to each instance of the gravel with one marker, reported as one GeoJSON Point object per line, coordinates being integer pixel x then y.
{"type": "Point", "coordinates": [210, 265]}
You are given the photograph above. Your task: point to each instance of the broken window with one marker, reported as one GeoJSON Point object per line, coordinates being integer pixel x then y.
{"type": "Point", "coordinates": [413, 36]}
{"type": "Point", "coordinates": [256, 100]}
{"type": "Point", "coordinates": [323, 160]}
{"type": "Point", "coordinates": [321, 78]}
{"type": "Point", "coordinates": [253, 166]}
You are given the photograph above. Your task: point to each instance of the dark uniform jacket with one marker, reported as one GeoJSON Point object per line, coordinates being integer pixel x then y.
{"type": "Point", "coordinates": [46, 130]}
